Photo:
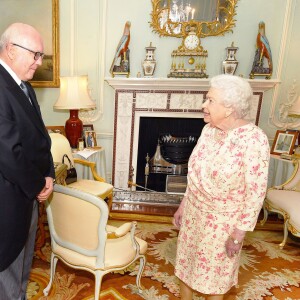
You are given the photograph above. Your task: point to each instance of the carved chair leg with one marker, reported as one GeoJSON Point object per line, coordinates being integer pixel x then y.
{"type": "Point", "coordinates": [285, 234]}
{"type": "Point", "coordinates": [266, 214]}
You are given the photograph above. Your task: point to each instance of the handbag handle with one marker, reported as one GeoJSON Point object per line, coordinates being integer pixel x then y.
{"type": "Point", "coordinates": [63, 160]}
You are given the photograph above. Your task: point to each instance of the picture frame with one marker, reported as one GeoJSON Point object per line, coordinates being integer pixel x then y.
{"type": "Point", "coordinates": [56, 129]}
{"type": "Point", "coordinates": [46, 21]}
{"type": "Point", "coordinates": [90, 138]}
{"type": "Point", "coordinates": [88, 127]}
{"type": "Point", "coordinates": [284, 142]}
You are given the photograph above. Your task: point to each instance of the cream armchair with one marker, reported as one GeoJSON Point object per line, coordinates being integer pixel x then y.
{"type": "Point", "coordinates": [81, 238]}
{"type": "Point", "coordinates": [98, 186]}
{"type": "Point", "coordinates": [285, 200]}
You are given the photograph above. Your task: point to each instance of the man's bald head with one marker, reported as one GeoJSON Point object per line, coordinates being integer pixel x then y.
{"type": "Point", "coordinates": [17, 46]}
{"type": "Point", "coordinates": [17, 33]}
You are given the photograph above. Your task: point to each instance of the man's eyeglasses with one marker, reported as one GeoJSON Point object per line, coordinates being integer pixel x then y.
{"type": "Point", "coordinates": [37, 55]}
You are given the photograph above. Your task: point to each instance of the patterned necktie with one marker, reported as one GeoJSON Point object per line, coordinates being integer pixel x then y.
{"type": "Point", "coordinates": [25, 90]}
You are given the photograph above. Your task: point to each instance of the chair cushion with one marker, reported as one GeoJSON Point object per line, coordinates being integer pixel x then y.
{"type": "Point", "coordinates": [118, 252]}
{"type": "Point", "coordinates": [111, 251]}
{"type": "Point", "coordinates": [288, 201]}
{"type": "Point", "coordinates": [97, 188]}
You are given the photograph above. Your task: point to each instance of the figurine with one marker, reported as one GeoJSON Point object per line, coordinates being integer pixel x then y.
{"type": "Point", "coordinates": [120, 64]}
{"type": "Point", "coordinates": [263, 51]}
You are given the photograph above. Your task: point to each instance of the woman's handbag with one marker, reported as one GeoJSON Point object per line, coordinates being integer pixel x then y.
{"type": "Point", "coordinates": [71, 172]}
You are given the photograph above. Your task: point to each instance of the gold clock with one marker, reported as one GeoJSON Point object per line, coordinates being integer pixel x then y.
{"type": "Point", "coordinates": [191, 41]}
{"type": "Point", "coordinates": [189, 60]}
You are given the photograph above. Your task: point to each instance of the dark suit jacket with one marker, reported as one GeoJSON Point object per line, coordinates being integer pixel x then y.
{"type": "Point", "coordinates": [25, 161]}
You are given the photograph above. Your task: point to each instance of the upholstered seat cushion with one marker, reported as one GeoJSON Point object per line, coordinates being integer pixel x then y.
{"type": "Point", "coordinates": [287, 201]}
{"type": "Point", "coordinates": [117, 252]}
{"type": "Point", "coordinates": [97, 188]}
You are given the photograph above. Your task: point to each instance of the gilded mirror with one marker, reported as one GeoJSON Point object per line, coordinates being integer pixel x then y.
{"type": "Point", "coordinates": [208, 17]}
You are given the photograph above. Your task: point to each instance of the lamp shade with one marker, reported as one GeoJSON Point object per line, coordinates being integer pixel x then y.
{"type": "Point", "coordinates": [294, 111]}
{"type": "Point", "coordinates": [74, 96]}
{"type": "Point", "coordinates": [74, 93]}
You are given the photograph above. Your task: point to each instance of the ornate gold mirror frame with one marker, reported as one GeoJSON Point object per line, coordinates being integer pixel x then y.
{"type": "Point", "coordinates": [175, 17]}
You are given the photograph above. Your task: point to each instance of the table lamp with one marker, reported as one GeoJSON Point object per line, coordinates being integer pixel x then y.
{"type": "Point", "coordinates": [74, 96]}
{"type": "Point", "coordinates": [294, 112]}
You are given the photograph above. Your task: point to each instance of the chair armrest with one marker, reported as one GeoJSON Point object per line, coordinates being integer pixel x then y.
{"type": "Point", "coordinates": [120, 231]}
{"type": "Point", "coordinates": [277, 187]}
{"type": "Point", "coordinates": [92, 166]}
{"type": "Point", "coordinates": [292, 181]}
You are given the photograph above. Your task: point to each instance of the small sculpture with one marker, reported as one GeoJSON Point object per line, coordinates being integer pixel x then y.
{"type": "Point", "coordinates": [263, 52]}
{"type": "Point", "coordinates": [120, 64]}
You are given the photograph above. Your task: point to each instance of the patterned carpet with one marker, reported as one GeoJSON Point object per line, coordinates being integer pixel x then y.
{"type": "Point", "coordinates": [266, 273]}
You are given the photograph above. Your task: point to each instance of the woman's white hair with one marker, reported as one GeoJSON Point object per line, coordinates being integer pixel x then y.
{"type": "Point", "coordinates": [236, 92]}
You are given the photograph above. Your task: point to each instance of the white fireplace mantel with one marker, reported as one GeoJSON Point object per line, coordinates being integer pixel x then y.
{"type": "Point", "coordinates": [192, 84]}
{"type": "Point", "coordinates": [136, 98]}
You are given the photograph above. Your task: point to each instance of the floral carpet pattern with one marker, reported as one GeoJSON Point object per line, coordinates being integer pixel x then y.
{"type": "Point", "coordinates": [266, 272]}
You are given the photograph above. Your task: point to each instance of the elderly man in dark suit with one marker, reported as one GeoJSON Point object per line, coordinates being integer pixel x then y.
{"type": "Point", "coordinates": [26, 164]}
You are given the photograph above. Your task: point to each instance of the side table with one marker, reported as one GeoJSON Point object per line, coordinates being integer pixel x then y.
{"type": "Point", "coordinates": [98, 158]}
{"type": "Point", "coordinates": [60, 177]}
{"type": "Point", "coordinates": [280, 170]}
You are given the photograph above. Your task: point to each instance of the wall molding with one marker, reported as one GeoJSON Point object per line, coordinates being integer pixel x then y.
{"type": "Point", "coordinates": [278, 114]}
{"type": "Point", "coordinates": [105, 136]}
{"type": "Point", "coordinates": [96, 114]}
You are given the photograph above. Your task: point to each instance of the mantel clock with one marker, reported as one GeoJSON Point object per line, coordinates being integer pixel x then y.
{"type": "Point", "coordinates": [189, 60]}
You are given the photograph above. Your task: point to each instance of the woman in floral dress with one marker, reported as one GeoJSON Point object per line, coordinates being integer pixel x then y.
{"type": "Point", "coordinates": [227, 182]}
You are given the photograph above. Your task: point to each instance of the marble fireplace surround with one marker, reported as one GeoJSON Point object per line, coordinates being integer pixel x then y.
{"type": "Point", "coordinates": [154, 97]}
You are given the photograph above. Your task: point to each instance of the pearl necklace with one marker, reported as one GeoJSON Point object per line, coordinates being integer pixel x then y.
{"type": "Point", "coordinates": [220, 134]}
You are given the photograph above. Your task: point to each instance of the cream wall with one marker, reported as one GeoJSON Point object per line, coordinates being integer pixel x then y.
{"type": "Point", "coordinates": [90, 31]}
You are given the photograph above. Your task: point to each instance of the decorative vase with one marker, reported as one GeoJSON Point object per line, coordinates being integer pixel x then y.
{"type": "Point", "coordinates": [149, 63]}
{"type": "Point", "coordinates": [230, 64]}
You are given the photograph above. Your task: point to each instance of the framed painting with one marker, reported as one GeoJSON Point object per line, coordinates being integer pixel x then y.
{"type": "Point", "coordinates": [284, 142]}
{"type": "Point", "coordinates": [44, 16]}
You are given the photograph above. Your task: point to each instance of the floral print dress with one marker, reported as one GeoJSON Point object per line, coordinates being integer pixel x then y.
{"type": "Point", "coordinates": [227, 182]}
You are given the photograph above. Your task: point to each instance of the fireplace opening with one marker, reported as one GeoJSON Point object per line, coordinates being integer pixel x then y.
{"type": "Point", "coordinates": [175, 139]}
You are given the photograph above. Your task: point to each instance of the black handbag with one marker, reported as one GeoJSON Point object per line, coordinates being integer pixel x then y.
{"type": "Point", "coordinates": [71, 172]}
